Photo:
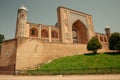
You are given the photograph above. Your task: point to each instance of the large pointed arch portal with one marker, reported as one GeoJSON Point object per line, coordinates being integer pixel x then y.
{"type": "Point", "coordinates": [75, 26]}
{"type": "Point", "coordinates": [79, 32]}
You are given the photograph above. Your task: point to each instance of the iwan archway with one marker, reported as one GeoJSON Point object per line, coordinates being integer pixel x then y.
{"type": "Point", "coordinates": [75, 26]}
{"type": "Point", "coordinates": [79, 32]}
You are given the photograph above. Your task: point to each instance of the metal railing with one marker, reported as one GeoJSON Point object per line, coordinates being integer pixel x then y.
{"type": "Point", "coordinates": [70, 71]}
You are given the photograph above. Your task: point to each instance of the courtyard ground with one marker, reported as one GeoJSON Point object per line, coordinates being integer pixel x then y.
{"type": "Point", "coordinates": [60, 77]}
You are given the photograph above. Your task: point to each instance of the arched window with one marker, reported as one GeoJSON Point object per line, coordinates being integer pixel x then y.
{"type": "Point", "coordinates": [54, 34]}
{"type": "Point", "coordinates": [33, 32]}
{"type": "Point", "coordinates": [22, 15]}
{"type": "Point", "coordinates": [101, 38]}
{"type": "Point", "coordinates": [44, 33]}
{"type": "Point", "coordinates": [105, 39]}
{"type": "Point", "coordinates": [74, 34]}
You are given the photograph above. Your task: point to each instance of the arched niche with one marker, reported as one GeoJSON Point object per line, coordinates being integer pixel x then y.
{"type": "Point", "coordinates": [44, 33]}
{"type": "Point", "coordinates": [79, 32]}
{"type": "Point", "coordinates": [101, 38]}
{"type": "Point", "coordinates": [105, 39]}
{"type": "Point", "coordinates": [54, 34]}
{"type": "Point", "coordinates": [33, 32]}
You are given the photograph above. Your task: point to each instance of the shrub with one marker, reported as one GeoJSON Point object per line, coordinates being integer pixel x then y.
{"type": "Point", "coordinates": [114, 41]}
{"type": "Point", "coordinates": [94, 45]}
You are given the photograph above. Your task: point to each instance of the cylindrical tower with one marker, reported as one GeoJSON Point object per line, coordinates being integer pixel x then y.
{"type": "Point", "coordinates": [107, 31]}
{"type": "Point", "coordinates": [21, 21]}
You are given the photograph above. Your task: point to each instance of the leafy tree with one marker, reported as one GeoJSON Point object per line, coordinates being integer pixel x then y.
{"type": "Point", "coordinates": [94, 45]}
{"type": "Point", "coordinates": [118, 46]}
{"type": "Point", "coordinates": [1, 40]}
{"type": "Point", "coordinates": [114, 41]}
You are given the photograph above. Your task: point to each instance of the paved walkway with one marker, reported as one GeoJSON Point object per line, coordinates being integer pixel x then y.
{"type": "Point", "coordinates": [60, 77]}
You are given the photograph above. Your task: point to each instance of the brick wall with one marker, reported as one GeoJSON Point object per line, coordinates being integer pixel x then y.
{"type": "Point", "coordinates": [8, 57]}
{"type": "Point", "coordinates": [8, 52]}
{"type": "Point", "coordinates": [27, 52]}
{"type": "Point", "coordinates": [31, 52]}
{"type": "Point", "coordinates": [7, 70]}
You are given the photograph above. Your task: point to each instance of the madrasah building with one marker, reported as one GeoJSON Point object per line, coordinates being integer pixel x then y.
{"type": "Point", "coordinates": [38, 43]}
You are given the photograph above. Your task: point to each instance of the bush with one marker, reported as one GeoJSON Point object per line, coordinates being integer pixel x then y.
{"type": "Point", "coordinates": [94, 45]}
{"type": "Point", "coordinates": [114, 41]}
{"type": "Point", "coordinates": [1, 40]}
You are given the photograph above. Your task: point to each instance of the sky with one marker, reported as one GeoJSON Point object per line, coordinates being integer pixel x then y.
{"type": "Point", "coordinates": [104, 13]}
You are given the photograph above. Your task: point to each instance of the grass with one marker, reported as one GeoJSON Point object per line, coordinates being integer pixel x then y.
{"type": "Point", "coordinates": [84, 61]}
{"type": "Point", "coordinates": [79, 62]}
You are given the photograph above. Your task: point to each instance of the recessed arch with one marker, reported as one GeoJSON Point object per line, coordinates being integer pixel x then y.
{"type": "Point", "coordinates": [79, 32]}
{"type": "Point", "coordinates": [44, 33]}
{"type": "Point", "coordinates": [101, 38]}
{"type": "Point", "coordinates": [105, 39]}
{"type": "Point", "coordinates": [33, 32]}
{"type": "Point", "coordinates": [54, 34]}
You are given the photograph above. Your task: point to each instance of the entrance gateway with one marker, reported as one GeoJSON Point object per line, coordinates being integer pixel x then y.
{"type": "Point", "coordinates": [76, 27]}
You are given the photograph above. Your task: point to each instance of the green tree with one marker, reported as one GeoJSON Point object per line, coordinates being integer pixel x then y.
{"type": "Point", "coordinates": [114, 41]}
{"type": "Point", "coordinates": [118, 46]}
{"type": "Point", "coordinates": [94, 45]}
{"type": "Point", "coordinates": [1, 40]}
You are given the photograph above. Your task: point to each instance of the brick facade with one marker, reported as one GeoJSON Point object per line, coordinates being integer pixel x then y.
{"type": "Point", "coordinates": [37, 43]}
{"type": "Point", "coordinates": [33, 51]}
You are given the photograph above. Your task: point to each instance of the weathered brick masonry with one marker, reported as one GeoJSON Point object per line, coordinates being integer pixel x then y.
{"type": "Point", "coordinates": [32, 51]}
{"type": "Point", "coordinates": [37, 43]}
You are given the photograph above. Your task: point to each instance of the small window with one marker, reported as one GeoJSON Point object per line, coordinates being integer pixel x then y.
{"type": "Point", "coordinates": [74, 34]}
{"type": "Point", "coordinates": [101, 38]}
{"type": "Point", "coordinates": [22, 15]}
{"type": "Point", "coordinates": [44, 33]}
{"type": "Point", "coordinates": [105, 39]}
{"type": "Point", "coordinates": [54, 34]}
{"type": "Point", "coordinates": [33, 32]}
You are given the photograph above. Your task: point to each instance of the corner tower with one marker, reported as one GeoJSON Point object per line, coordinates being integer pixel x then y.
{"type": "Point", "coordinates": [21, 22]}
{"type": "Point", "coordinates": [107, 31]}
